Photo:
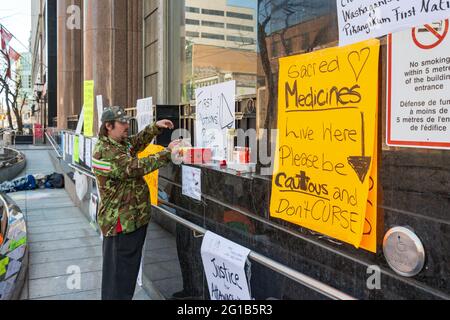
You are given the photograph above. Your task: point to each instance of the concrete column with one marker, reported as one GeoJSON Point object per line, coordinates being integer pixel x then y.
{"type": "Point", "coordinates": [113, 50]}
{"type": "Point", "coordinates": [70, 59]}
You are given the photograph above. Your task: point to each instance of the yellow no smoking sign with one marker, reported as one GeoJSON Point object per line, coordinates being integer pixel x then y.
{"type": "Point", "coordinates": [326, 149]}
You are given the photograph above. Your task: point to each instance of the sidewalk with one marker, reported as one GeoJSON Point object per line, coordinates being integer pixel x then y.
{"type": "Point", "coordinates": [60, 238]}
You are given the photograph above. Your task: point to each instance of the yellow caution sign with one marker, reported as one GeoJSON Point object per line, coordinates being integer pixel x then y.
{"type": "Point", "coordinates": [152, 178]}
{"type": "Point", "coordinates": [326, 146]}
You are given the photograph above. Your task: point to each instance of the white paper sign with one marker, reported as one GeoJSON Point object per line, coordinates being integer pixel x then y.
{"type": "Point", "coordinates": [365, 19]}
{"type": "Point", "coordinates": [88, 152]}
{"type": "Point", "coordinates": [419, 87]}
{"type": "Point", "coordinates": [81, 147]}
{"type": "Point", "coordinates": [94, 143]}
{"type": "Point", "coordinates": [224, 264]}
{"type": "Point", "coordinates": [215, 114]}
{"type": "Point", "coordinates": [144, 113]}
{"type": "Point", "coordinates": [93, 207]}
{"type": "Point", "coordinates": [81, 185]}
{"type": "Point", "coordinates": [192, 182]}
{"type": "Point", "coordinates": [64, 145]}
{"type": "Point", "coordinates": [99, 110]}
{"type": "Point", "coordinates": [80, 122]}
{"type": "Point", "coordinates": [71, 137]}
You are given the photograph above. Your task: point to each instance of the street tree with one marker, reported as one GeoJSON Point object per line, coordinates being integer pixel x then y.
{"type": "Point", "coordinates": [11, 90]}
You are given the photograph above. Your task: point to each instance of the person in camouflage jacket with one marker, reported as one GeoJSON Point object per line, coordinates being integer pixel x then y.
{"type": "Point", "coordinates": [124, 210]}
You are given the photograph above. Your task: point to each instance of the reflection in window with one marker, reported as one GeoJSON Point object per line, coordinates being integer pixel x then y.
{"type": "Point", "coordinates": [239, 15]}
{"type": "Point", "coordinates": [193, 22]}
{"type": "Point", "coordinates": [213, 36]}
{"type": "Point", "coordinates": [192, 9]}
{"type": "Point", "coordinates": [288, 45]}
{"type": "Point", "coordinates": [240, 27]}
{"type": "Point", "coordinates": [212, 57]}
{"type": "Point", "coordinates": [213, 24]}
{"type": "Point", "coordinates": [241, 39]}
{"type": "Point", "coordinates": [287, 13]}
{"type": "Point", "coordinates": [192, 34]}
{"type": "Point", "coordinates": [274, 49]}
{"type": "Point", "coordinates": [213, 12]}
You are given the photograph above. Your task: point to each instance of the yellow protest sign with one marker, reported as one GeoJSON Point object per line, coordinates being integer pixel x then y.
{"type": "Point", "coordinates": [89, 108]}
{"type": "Point", "coordinates": [369, 239]}
{"type": "Point", "coordinates": [327, 127]}
{"type": "Point", "coordinates": [76, 149]}
{"type": "Point", "coordinates": [152, 178]}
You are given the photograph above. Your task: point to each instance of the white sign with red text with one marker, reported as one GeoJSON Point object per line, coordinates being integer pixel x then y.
{"type": "Point", "coordinates": [418, 93]}
{"type": "Point", "coordinates": [365, 19]}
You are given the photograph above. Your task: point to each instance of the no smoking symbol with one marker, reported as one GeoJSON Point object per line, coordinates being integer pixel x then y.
{"type": "Point", "coordinates": [431, 37]}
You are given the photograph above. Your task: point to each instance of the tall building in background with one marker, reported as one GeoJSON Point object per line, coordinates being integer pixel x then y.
{"type": "Point", "coordinates": [215, 23]}
{"type": "Point", "coordinates": [194, 43]}
{"type": "Point", "coordinates": [23, 70]}
{"type": "Point", "coordinates": [221, 45]}
{"type": "Point", "coordinates": [100, 41]}
{"type": "Point", "coordinates": [44, 62]}
{"type": "Point", "coordinates": [145, 48]}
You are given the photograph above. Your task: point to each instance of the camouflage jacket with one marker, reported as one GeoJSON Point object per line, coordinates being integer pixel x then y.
{"type": "Point", "coordinates": [120, 176]}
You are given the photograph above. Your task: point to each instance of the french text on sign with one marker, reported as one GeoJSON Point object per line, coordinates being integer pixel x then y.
{"type": "Point", "coordinates": [418, 99]}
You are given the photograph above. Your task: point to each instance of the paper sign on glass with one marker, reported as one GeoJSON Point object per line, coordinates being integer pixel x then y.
{"type": "Point", "coordinates": [215, 114]}
{"type": "Point", "coordinates": [81, 147]}
{"type": "Point", "coordinates": [152, 178]}
{"type": "Point", "coordinates": [365, 19]}
{"type": "Point", "coordinates": [418, 88]}
{"type": "Point", "coordinates": [89, 108]}
{"type": "Point", "coordinates": [80, 122]}
{"type": "Point", "coordinates": [224, 264]}
{"type": "Point", "coordinates": [192, 182]}
{"type": "Point", "coordinates": [76, 149]}
{"type": "Point", "coordinates": [88, 152]}
{"type": "Point", "coordinates": [327, 127]}
{"type": "Point", "coordinates": [99, 110]}
{"type": "Point", "coordinates": [144, 113]}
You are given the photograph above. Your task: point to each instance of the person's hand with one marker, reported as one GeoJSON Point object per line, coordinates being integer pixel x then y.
{"type": "Point", "coordinates": [176, 151]}
{"type": "Point", "coordinates": [165, 124]}
{"type": "Point", "coordinates": [175, 144]}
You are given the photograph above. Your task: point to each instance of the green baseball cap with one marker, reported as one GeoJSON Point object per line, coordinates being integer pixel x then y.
{"type": "Point", "coordinates": [115, 114]}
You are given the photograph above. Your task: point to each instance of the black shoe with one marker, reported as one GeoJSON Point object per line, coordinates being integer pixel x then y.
{"type": "Point", "coordinates": [183, 295]}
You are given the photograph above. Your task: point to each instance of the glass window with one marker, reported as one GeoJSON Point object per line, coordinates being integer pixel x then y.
{"type": "Point", "coordinates": [192, 9]}
{"type": "Point", "coordinates": [245, 40]}
{"type": "Point", "coordinates": [405, 196]}
{"type": "Point", "coordinates": [239, 15]}
{"type": "Point", "coordinates": [230, 53]}
{"type": "Point", "coordinates": [213, 24]}
{"type": "Point", "coordinates": [213, 36]}
{"type": "Point", "coordinates": [240, 27]}
{"type": "Point", "coordinates": [193, 22]}
{"type": "Point", "coordinates": [192, 34]}
{"type": "Point", "coordinates": [274, 49]}
{"type": "Point", "coordinates": [288, 45]}
{"type": "Point", "coordinates": [213, 12]}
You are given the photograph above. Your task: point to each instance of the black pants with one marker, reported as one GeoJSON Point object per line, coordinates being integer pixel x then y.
{"type": "Point", "coordinates": [121, 261]}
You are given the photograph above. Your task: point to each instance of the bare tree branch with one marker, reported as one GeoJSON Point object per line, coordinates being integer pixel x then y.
{"type": "Point", "coordinates": [11, 89]}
